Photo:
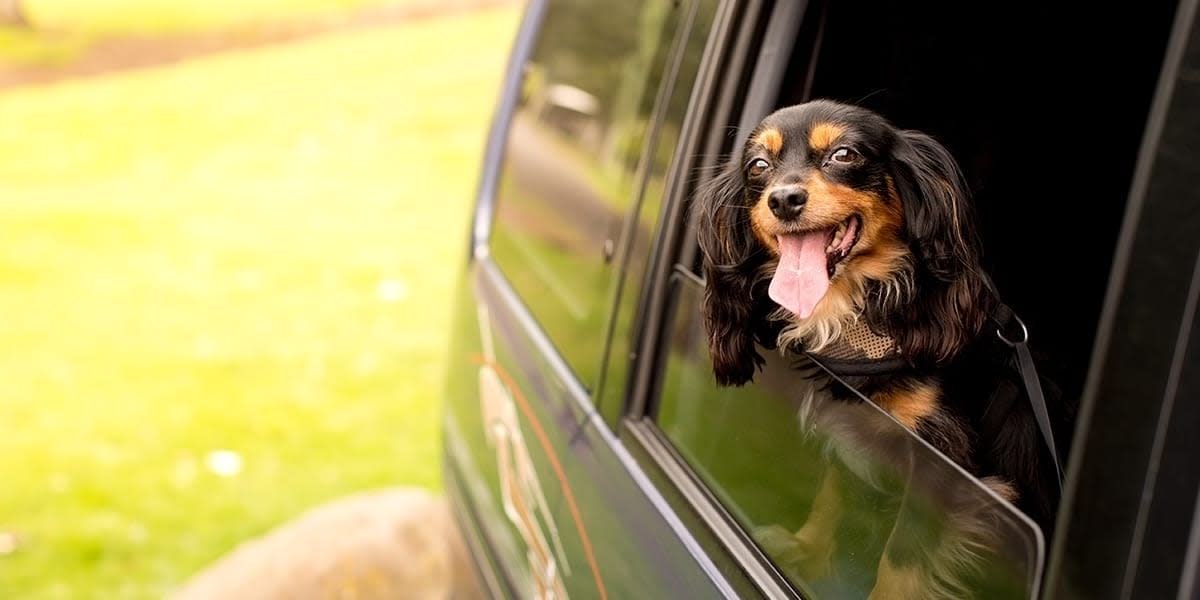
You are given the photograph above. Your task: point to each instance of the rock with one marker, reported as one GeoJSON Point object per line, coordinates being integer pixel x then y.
{"type": "Point", "coordinates": [400, 543]}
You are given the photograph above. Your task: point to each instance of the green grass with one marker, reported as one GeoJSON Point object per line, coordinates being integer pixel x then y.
{"type": "Point", "coordinates": [251, 252]}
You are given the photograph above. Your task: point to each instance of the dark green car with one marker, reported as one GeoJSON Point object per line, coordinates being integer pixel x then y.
{"type": "Point", "coordinates": [588, 452]}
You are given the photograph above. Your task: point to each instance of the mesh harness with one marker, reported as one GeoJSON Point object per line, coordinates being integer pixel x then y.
{"type": "Point", "coordinates": [862, 351]}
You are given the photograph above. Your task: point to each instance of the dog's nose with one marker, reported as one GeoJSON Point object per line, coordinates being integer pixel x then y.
{"type": "Point", "coordinates": [787, 202]}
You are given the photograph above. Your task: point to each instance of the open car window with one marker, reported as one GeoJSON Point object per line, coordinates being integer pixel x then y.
{"type": "Point", "coordinates": [827, 488]}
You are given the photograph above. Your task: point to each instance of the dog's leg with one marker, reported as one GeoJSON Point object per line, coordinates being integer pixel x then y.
{"type": "Point", "coordinates": [941, 532]}
{"type": "Point", "coordinates": [817, 533]}
{"type": "Point", "coordinates": [902, 573]}
{"type": "Point", "coordinates": [809, 551]}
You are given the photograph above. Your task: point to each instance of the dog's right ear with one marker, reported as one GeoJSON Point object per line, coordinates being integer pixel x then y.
{"type": "Point", "coordinates": [731, 261]}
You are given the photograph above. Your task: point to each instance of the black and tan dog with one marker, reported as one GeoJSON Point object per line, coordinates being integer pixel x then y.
{"type": "Point", "coordinates": [835, 234]}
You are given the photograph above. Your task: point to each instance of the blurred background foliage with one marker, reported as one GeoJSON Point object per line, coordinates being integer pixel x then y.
{"type": "Point", "coordinates": [223, 269]}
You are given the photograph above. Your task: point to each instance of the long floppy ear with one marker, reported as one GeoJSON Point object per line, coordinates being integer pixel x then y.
{"type": "Point", "coordinates": [732, 258]}
{"type": "Point", "coordinates": [950, 302]}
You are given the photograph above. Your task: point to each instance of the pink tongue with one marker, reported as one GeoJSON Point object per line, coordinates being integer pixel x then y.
{"type": "Point", "coordinates": [802, 278]}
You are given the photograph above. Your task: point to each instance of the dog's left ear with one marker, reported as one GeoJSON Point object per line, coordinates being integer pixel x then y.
{"type": "Point", "coordinates": [950, 293]}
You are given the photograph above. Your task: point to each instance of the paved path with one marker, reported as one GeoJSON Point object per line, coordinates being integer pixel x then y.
{"type": "Point", "coordinates": [399, 543]}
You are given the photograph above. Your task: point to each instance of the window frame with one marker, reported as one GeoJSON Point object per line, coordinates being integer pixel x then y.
{"type": "Point", "coordinates": [1108, 443]}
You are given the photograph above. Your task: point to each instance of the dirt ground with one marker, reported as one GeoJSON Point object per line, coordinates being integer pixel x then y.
{"type": "Point", "coordinates": [399, 543]}
{"type": "Point", "coordinates": [133, 52]}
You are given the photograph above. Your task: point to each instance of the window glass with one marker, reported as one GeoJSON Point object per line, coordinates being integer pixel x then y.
{"type": "Point", "coordinates": [571, 163]}
{"type": "Point", "coordinates": [827, 488]}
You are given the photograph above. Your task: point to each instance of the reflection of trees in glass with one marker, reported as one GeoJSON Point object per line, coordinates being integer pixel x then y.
{"type": "Point", "coordinates": [616, 53]}
{"type": "Point", "coordinates": [689, 68]}
{"type": "Point", "coordinates": [589, 45]}
{"type": "Point", "coordinates": [636, 96]}
{"type": "Point", "coordinates": [596, 74]}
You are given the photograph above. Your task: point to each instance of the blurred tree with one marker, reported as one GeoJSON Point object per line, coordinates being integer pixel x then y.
{"type": "Point", "coordinates": [11, 13]}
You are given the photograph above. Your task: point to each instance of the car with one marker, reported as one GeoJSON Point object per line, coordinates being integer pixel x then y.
{"type": "Point", "coordinates": [588, 452]}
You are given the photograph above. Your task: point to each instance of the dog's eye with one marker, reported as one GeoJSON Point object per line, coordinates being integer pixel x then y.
{"type": "Point", "coordinates": [757, 167]}
{"type": "Point", "coordinates": [844, 156]}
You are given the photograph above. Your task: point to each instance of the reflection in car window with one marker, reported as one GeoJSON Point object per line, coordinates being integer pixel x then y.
{"type": "Point", "coordinates": [656, 164]}
{"type": "Point", "coordinates": [571, 161]}
{"type": "Point", "coordinates": [831, 489]}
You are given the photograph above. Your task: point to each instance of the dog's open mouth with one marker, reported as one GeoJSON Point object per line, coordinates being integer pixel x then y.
{"type": "Point", "coordinates": [807, 261]}
{"type": "Point", "coordinates": [841, 241]}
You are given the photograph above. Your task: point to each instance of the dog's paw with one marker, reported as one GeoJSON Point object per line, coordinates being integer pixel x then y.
{"type": "Point", "coordinates": [807, 556]}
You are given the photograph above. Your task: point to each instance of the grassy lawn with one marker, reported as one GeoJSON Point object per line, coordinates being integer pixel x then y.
{"type": "Point", "coordinates": [247, 256]}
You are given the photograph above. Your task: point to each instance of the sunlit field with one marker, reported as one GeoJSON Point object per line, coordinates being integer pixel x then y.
{"type": "Point", "coordinates": [224, 289]}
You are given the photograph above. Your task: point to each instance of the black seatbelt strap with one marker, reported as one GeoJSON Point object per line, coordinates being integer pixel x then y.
{"type": "Point", "coordinates": [1003, 316]}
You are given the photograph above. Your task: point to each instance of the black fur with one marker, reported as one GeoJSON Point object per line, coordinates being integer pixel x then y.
{"type": "Point", "coordinates": [951, 300]}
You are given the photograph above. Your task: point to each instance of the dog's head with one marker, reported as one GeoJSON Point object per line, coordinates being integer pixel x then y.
{"type": "Point", "coordinates": [829, 214]}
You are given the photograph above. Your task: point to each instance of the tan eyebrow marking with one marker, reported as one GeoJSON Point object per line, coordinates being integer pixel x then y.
{"type": "Point", "coordinates": [771, 139]}
{"type": "Point", "coordinates": [823, 135]}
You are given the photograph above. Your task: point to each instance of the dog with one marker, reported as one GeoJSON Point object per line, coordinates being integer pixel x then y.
{"type": "Point", "coordinates": [835, 235]}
